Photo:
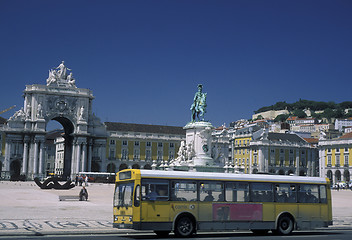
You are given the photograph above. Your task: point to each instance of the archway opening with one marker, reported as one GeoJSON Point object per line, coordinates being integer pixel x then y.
{"type": "Point", "coordinates": [337, 176]}
{"type": "Point", "coordinates": [59, 141]}
{"type": "Point", "coordinates": [346, 176]}
{"type": "Point", "coordinates": [111, 168]}
{"type": "Point", "coordinates": [123, 166]}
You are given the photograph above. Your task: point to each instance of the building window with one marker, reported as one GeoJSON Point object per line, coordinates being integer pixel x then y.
{"type": "Point", "coordinates": [291, 161]}
{"type": "Point", "coordinates": [346, 149]}
{"type": "Point", "coordinates": [136, 154]}
{"type": "Point", "coordinates": [172, 145]}
{"type": "Point", "coordinates": [148, 155]}
{"type": "Point", "coordinates": [124, 143]}
{"type": "Point", "coordinates": [281, 161]}
{"type": "Point", "coordinates": [112, 153]}
{"type": "Point", "coordinates": [281, 150]}
{"type": "Point", "coordinates": [255, 161]}
{"type": "Point", "coordinates": [124, 153]}
{"type": "Point", "coordinates": [171, 155]}
{"type": "Point", "coordinates": [160, 155]}
{"type": "Point", "coordinates": [272, 151]}
{"type": "Point", "coordinates": [337, 161]}
{"type": "Point", "coordinates": [346, 160]}
{"type": "Point", "coordinates": [149, 144]}
{"type": "Point", "coordinates": [291, 151]}
{"type": "Point", "coordinates": [160, 144]}
{"type": "Point", "coordinates": [329, 149]}
{"type": "Point", "coordinates": [337, 149]}
{"type": "Point", "coordinates": [112, 141]}
{"type": "Point", "coordinates": [329, 161]}
{"type": "Point", "coordinates": [136, 143]}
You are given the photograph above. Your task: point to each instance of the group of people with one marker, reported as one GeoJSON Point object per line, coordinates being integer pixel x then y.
{"type": "Point", "coordinates": [83, 194]}
{"type": "Point", "coordinates": [80, 179]}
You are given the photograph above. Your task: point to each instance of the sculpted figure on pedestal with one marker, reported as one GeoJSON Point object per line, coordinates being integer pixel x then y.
{"type": "Point", "coordinates": [199, 104]}
{"type": "Point", "coordinates": [59, 76]}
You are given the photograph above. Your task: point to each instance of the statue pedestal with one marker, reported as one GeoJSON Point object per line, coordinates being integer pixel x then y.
{"type": "Point", "coordinates": [198, 137]}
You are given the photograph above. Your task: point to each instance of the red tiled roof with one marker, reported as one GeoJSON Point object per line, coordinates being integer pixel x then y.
{"type": "Point", "coordinates": [311, 140]}
{"type": "Point", "coordinates": [346, 136]}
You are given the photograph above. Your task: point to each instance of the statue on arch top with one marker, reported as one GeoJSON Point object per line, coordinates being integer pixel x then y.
{"type": "Point", "coordinates": [59, 77]}
{"type": "Point", "coordinates": [199, 104]}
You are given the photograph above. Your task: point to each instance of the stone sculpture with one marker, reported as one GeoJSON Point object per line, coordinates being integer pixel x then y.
{"type": "Point", "coordinates": [199, 104]}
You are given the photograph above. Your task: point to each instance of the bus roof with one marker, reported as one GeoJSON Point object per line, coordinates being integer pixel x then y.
{"type": "Point", "coordinates": [230, 176]}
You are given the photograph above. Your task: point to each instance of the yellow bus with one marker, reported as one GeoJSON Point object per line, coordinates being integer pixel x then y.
{"type": "Point", "coordinates": [186, 202]}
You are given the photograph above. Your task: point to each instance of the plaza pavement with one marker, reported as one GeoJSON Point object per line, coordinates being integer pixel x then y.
{"type": "Point", "coordinates": [25, 209]}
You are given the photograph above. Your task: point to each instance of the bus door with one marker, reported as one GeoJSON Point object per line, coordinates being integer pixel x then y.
{"type": "Point", "coordinates": [183, 198]}
{"type": "Point", "coordinates": [155, 196]}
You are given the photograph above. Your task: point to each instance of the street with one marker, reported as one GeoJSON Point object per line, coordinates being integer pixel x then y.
{"type": "Point", "coordinates": [317, 234]}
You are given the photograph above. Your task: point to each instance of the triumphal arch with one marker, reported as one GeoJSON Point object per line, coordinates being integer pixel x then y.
{"type": "Point", "coordinates": [60, 100]}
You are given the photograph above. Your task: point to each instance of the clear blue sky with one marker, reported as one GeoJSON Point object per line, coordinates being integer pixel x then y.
{"type": "Point", "coordinates": [144, 59]}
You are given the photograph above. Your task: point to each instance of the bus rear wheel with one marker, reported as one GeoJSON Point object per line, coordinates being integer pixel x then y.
{"type": "Point", "coordinates": [284, 225]}
{"type": "Point", "coordinates": [184, 227]}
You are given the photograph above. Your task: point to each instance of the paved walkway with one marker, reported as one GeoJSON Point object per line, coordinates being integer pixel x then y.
{"type": "Point", "coordinates": [25, 209]}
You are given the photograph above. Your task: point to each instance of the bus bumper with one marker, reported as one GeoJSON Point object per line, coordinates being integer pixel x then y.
{"type": "Point", "coordinates": [122, 226]}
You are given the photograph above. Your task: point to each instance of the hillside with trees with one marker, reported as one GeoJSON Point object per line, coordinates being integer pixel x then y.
{"type": "Point", "coordinates": [318, 110]}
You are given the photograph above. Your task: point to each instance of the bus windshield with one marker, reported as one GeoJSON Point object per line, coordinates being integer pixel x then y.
{"type": "Point", "coordinates": [123, 194]}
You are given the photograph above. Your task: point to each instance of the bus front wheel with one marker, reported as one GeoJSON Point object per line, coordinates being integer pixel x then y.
{"type": "Point", "coordinates": [184, 227]}
{"type": "Point", "coordinates": [284, 225]}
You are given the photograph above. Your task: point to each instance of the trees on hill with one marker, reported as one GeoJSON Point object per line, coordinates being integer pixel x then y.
{"type": "Point", "coordinates": [329, 109]}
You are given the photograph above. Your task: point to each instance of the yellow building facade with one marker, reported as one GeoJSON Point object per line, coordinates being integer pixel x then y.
{"type": "Point", "coordinates": [336, 158]}
{"type": "Point", "coordinates": [141, 145]}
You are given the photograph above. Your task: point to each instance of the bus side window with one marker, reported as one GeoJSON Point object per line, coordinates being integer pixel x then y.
{"type": "Point", "coordinates": [155, 190]}
{"type": "Point", "coordinates": [308, 193]}
{"type": "Point", "coordinates": [262, 192]}
{"type": "Point", "coordinates": [285, 193]}
{"type": "Point", "coordinates": [237, 192]}
{"type": "Point", "coordinates": [211, 191]}
{"type": "Point", "coordinates": [322, 191]}
{"type": "Point", "coordinates": [183, 191]}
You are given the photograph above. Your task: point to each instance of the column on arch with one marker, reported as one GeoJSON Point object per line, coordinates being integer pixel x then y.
{"type": "Point", "coordinates": [25, 155]}
{"type": "Point", "coordinates": [35, 159]}
{"type": "Point", "coordinates": [84, 157]}
{"type": "Point", "coordinates": [8, 144]}
{"type": "Point", "coordinates": [90, 152]}
{"type": "Point", "coordinates": [78, 156]}
{"type": "Point", "coordinates": [41, 157]}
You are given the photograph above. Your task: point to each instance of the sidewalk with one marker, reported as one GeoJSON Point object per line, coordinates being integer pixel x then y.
{"type": "Point", "coordinates": [25, 209]}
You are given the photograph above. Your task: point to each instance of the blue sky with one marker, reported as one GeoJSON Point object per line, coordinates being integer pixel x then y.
{"type": "Point", "coordinates": [144, 59]}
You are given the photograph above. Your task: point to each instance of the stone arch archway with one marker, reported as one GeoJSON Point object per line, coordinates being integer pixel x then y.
{"type": "Point", "coordinates": [123, 166]}
{"type": "Point", "coordinates": [62, 101]}
{"type": "Point", "coordinates": [148, 166]}
{"type": "Point", "coordinates": [346, 176]}
{"type": "Point", "coordinates": [337, 176]}
{"type": "Point", "coordinates": [136, 166]}
{"type": "Point", "coordinates": [15, 169]}
{"type": "Point", "coordinates": [111, 168]}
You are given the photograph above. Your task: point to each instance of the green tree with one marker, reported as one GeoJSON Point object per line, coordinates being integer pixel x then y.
{"type": "Point", "coordinates": [299, 113]}
{"type": "Point", "coordinates": [281, 118]}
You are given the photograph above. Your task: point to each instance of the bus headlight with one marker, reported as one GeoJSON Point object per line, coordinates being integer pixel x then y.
{"type": "Point", "coordinates": [115, 218]}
